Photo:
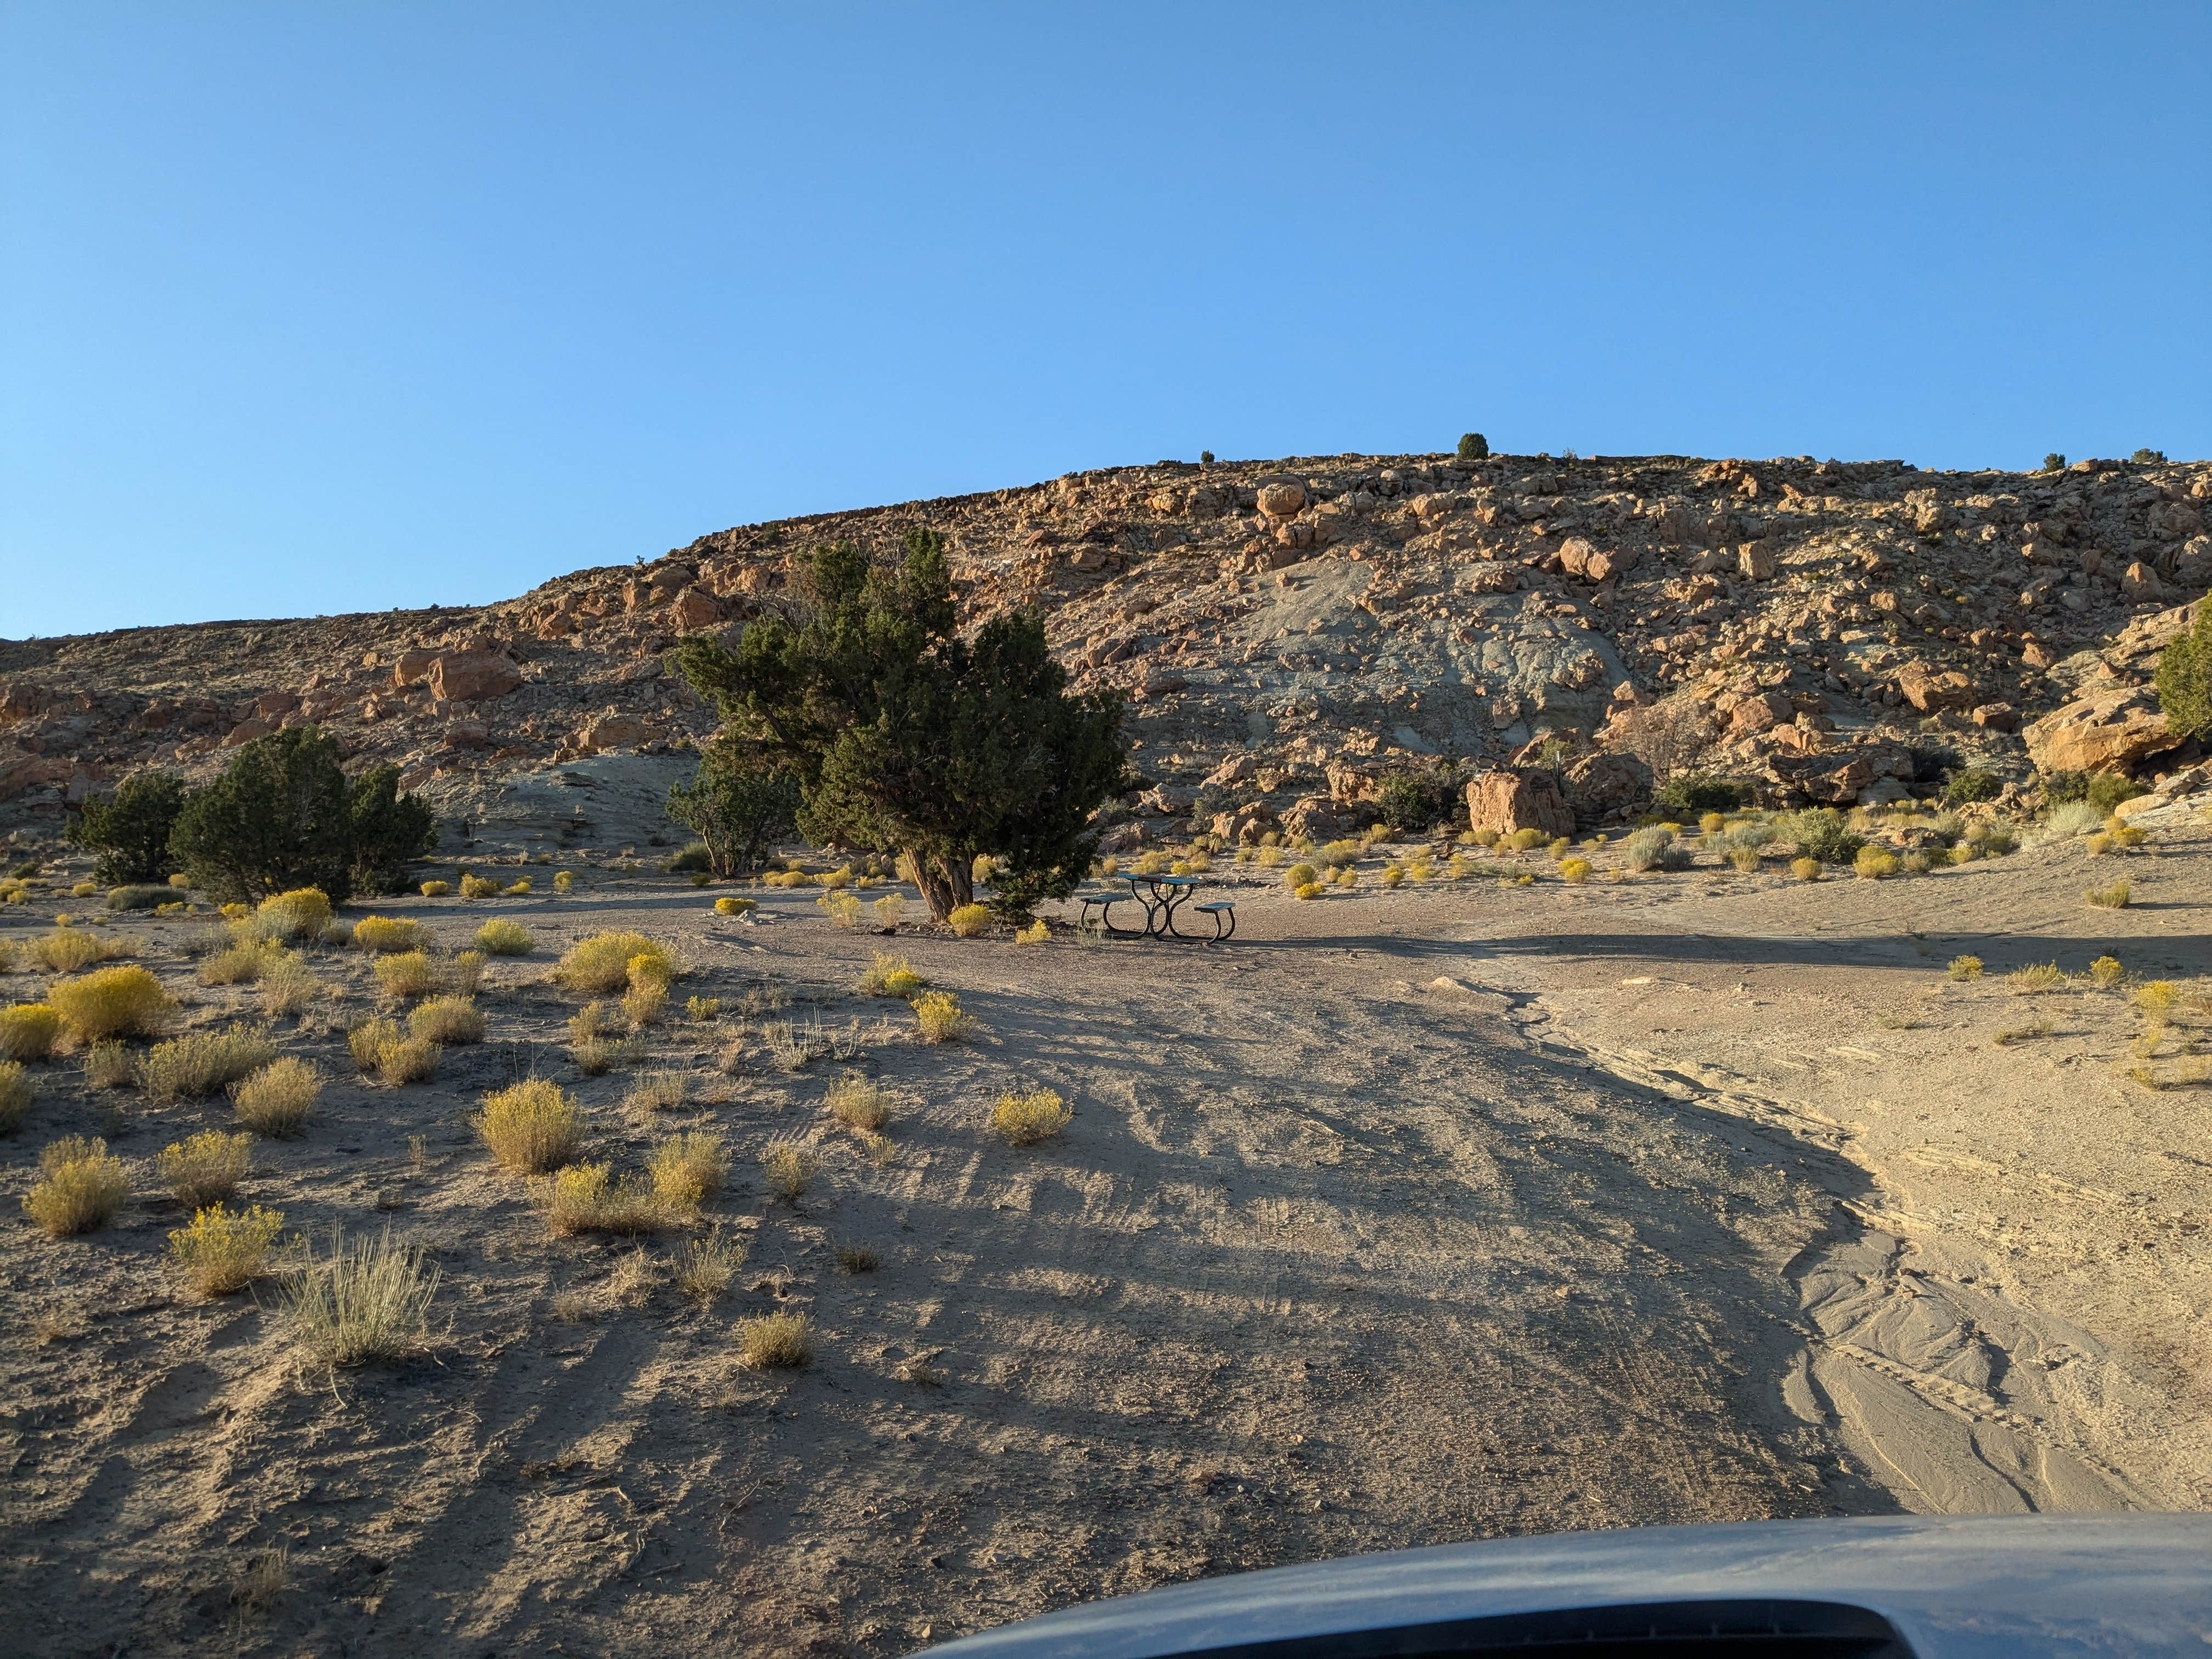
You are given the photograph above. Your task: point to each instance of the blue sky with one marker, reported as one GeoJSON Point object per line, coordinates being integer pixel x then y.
{"type": "Point", "coordinates": [317, 308]}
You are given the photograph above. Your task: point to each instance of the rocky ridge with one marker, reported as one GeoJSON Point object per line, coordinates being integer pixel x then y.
{"type": "Point", "coordinates": [1287, 630]}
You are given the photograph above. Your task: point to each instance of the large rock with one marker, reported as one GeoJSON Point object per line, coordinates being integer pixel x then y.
{"type": "Point", "coordinates": [411, 668]}
{"type": "Point", "coordinates": [1282, 501]}
{"type": "Point", "coordinates": [1829, 779]}
{"type": "Point", "coordinates": [1349, 785]}
{"type": "Point", "coordinates": [1929, 690]}
{"type": "Point", "coordinates": [2104, 731]}
{"type": "Point", "coordinates": [1601, 786]}
{"type": "Point", "coordinates": [1504, 800]}
{"type": "Point", "coordinates": [694, 609]}
{"type": "Point", "coordinates": [616, 731]}
{"type": "Point", "coordinates": [1760, 714]}
{"type": "Point", "coordinates": [473, 676]}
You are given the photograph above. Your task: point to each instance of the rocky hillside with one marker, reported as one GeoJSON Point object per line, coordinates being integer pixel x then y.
{"type": "Point", "coordinates": [1286, 631]}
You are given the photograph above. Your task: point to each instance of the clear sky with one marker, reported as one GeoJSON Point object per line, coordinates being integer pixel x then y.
{"type": "Point", "coordinates": [320, 307]}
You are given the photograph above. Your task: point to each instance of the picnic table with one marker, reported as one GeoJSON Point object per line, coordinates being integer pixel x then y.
{"type": "Point", "coordinates": [1162, 896]}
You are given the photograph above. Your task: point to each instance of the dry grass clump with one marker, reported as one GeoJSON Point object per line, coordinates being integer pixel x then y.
{"type": "Point", "coordinates": [224, 1251]}
{"type": "Point", "coordinates": [775, 1342]}
{"type": "Point", "coordinates": [2115, 898]}
{"type": "Point", "coordinates": [857, 1259]}
{"type": "Point", "coordinates": [790, 1170]}
{"type": "Point", "coordinates": [1026, 1120]}
{"type": "Point", "coordinates": [2105, 972]}
{"type": "Point", "coordinates": [891, 976]}
{"type": "Point", "coordinates": [301, 914]}
{"type": "Point", "coordinates": [530, 1127]}
{"type": "Point", "coordinates": [387, 935]}
{"type": "Point", "coordinates": [704, 1010]}
{"type": "Point", "coordinates": [502, 938]}
{"type": "Point", "coordinates": [688, 1169]}
{"type": "Point", "coordinates": [939, 1016]}
{"type": "Point", "coordinates": [408, 973]}
{"type": "Point", "coordinates": [204, 1169]}
{"type": "Point", "coordinates": [66, 950]}
{"type": "Point", "coordinates": [645, 1002]}
{"type": "Point", "coordinates": [1805, 869]}
{"type": "Point", "coordinates": [477, 887]}
{"type": "Point", "coordinates": [728, 905]}
{"type": "Point", "coordinates": [2036, 979]}
{"type": "Point", "coordinates": [368, 1039]}
{"type": "Point", "coordinates": [199, 1063]}
{"type": "Point", "coordinates": [15, 1096]}
{"type": "Point", "coordinates": [80, 1184]}
{"type": "Point", "coordinates": [465, 973]}
{"type": "Point", "coordinates": [858, 1103]}
{"type": "Point", "coordinates": [967, 921]}
{"type": "Point", "coordinates": [706, 1265]}
{"type": "Point", "coordinates": [654, 1092]}
{"type": "Point", "coordinates": [109, 1065]}
{"type": "Point", "coordinates": [112, 1002]}
{"type": "Point", "coordinates": [602, 964]}
{"type": "Point", "coordinates": [240, 963]}
{"type": "Point", "coordinates": [447, 1020]}
{"type": "Point", "coordinates": [380, 1046]}
{"type": "Point", "coordinates": [1966, 968]}
{"type": "Point", "coordinates": [366, 1300]}
{"type": "Point", "coordinates": [1576, 870]}
{"type": "Point", "coordinates": [1873, 863]}
{"type": "Point", "coordinates": [275, 1100]}
{"type": "Point", "coordinates": [436, 889]}
{"type": "Point", "coordinates": [590, 1045]}
{"type": "Point", "coordinates": [27, 1030]}
{"type": "Point", "coordinates": [584, 1198]}
{"type": "Point", "coordinates": [288, 987]}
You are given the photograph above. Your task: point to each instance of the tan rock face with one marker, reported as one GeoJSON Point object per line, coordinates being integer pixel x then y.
{"type": "Point", "coordinates": [473, 676]}
{"type": "Point", "coordinates": [2100, 732]}
{"type": "Point", "coordinates": [1929, 691]}
{"type": "Point", "coordinates": [411, 668]}
{"type": "Point", "coordinates": [1757, 562]}
{"type": "Point", "coordinates": [1760, 714]}
{"type": "Point", "coordinates": [247, 731]}
{"type": "Point", "coordinates": [1282, 501]}
{"type": "Point", "coordinates": [1506, 801]}
{"type": "Point", "coordinates": [616, 731]}
{"type": "Point", "coordinates": [694, 609]}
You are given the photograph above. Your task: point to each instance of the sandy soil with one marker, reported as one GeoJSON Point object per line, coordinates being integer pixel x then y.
{"type": "Point", "coordinates": [1446, 1213]}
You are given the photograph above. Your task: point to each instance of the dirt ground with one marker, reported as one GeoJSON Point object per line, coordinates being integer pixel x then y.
{"type": "Point", "coordinates": [1456, 1212]}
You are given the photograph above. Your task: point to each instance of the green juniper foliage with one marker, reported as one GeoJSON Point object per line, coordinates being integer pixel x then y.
{"type": "Point", "coordinates": [130, 829]}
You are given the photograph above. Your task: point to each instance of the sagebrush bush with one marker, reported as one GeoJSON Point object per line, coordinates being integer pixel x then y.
{"type": "Point", "coordinates": [940, 1017]}
{"type": "Point", "coordinates": [2117, 896]}
{"type": "Point", "coordinates": [204, 1169]}
{"type": "Point", "coordinates": [1576, 870]}
{"type": "Point", "coordinates": [15, 1096]}
{"type": "Point", "coordinates": [299, 914]}
{"type": "Point", "coordinates": [968, 919]}
{"type": "Point", "coordinates": [368, 1299]}
{"type": "Point", "coordinates": [1966, 968]}
{"type": "Point", "coordinates": [409, 973]}
{"type": "Point", "coordinates": [503, 938]}
{"type": "Point", "coordinates": [140, 897]}
{"type": "Point", "coordinates": [1874, 863]}
{"type": "Point", "coordinates": [383, 935]}
{"type": "Point", "coordinates": [436, 889]}
{"type": "Point", "coordinates": [199, 1063]}
{"type": "Point", "coordinates": [27, 1030]}
{"type": "Point", "coordinates": [584, 1198]}
{"type": "Point", "coordinates": [1820, 832]}
{"type": "Point", "coordinates": [1024, 1119]}
{"type": "Point", "coordinates": [66, 950]}
{"type": "Point", "coordinates": [477, 887]}
{"type": "Point", "coordinates": [369, 1039]}
{"type": "Point", "coordinates": [891, 976]}
{"type": "Point", "coordinates": [601, 964]}
{"type": "Point", "coordinates": [687, 1169]}
{"type": "Point", "coordinates": [1653, 848]}
{"type": "Point", "coordinates": [858, 1103]}
{"type": "Point", "coordinates": [81, 1185]}
{"type": "Point", "coordinates": [109, 1065]}
{"type": "Point", "coordinates": [275, 1100]}
{"type": "Point", "coordinates": [644, 1003]}
{"type": "Point", "coordinates": [410, 1060]}
{"type": "Point", "coordinates": [1804, 868]}
{"type": "Point", "coordinates": [789, 1169]}
{"type": "Point", "coordinates": [2105, 972]}
{"type": "Point", "coordinates": [775, 1342]}
{"type": "Point", "coordinates": [225, 1250]}
{"type": "Point", "coordinates": [240, 963]}
{"type": "Point", "coordinates": [287, 986]}
{"type": "Point", "coordinates": [447, 1020]}
{"type": "Point", "coordinates": [530, 1127]}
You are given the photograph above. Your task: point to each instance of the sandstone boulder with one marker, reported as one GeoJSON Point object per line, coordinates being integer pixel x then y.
{"type": "Point", "coordinates": [1506, 800]}
{"type": "Point", "coordinates": [1929, 690]}
{"type": "Point", "coordinates": [1756, 561]}
{"type": "Point", "coordinates": [1830, 780]}
{"type": "Point", "coordinates": [247, 731]}
{"type": "Point", "coordinates": [1312, 816]}
{"type": "Point", "coordinates": [616, 731]}
{"type": "Point", "coordinates": [1996, 717]}
{"type": "Point", "coordinates": [411, 668]}
{"type": "Point", "coordinates": [1282, 501]}
{"type": "Point", "coordinates": [2104, 731]}
{"type": "Point", "coordinates": [473, 676]}
{"type": "Point", "coordinates": [1350, 785]}
{"type": "Point", "coordinates": [1760, 714]}
{"type": "Point", "coordinates": [468, 734]}
{"type": "Point", "coordinates": [694, 609]}
{"type": "Point", "coordinates": [2140, 582]}
{"type": "Point", "coordinates": [1601, 786]}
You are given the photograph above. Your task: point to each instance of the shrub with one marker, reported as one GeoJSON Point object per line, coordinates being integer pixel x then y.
{"type": "Point", "coordinates": [108, 1065]}
{"type": "Point", "coordinates": [447, 1020]}
{"type": "Point", "coordinates": [1025, 1120]}
{"type": "Point", "coordinates": [1576, 870]}
{"type": "Point", "coordinates": [1521, 839]}
{"type": "Point", "coordinates": [2105, 972]}
{"type": "Point", "coordinates": [841, 908]}
{"type": "Point", "coordinates": [2036, 979]}
{"type": "Point", "coordinates": [410, 1060]}
{"type": "Point", "coordinates": [222, 1251]}
{"type": "Point", "coordinates": [856, 1258]}
{"type": "Point", "coordinates": [939, 1014]}
{"type": "Point", "coordinates": [735, 805]}
{"type": "Point", "coordinates": [602, 963]}
{"type": "Point", "coordinates": [693, 856]}
{"type": "Point", "coordinates": [240, 963]}
{"type": "Point", "coordinates": [477, 887]}
{"type": "Point", "coordinates": [708, 1265]}
{"type": "Point", "coordinates": [205, 1167]}
{"type": "Point", "coordinates": [1653, 848]}
{"type": "Point", "coordinates": [530, 1127]}
{"type": "Point", "coordinates": [1312, 890]}
{"type": "Point", "coordinates": [383, 935]}
{"type": "Point", "coordinates": [1805, 869]}
{"type": "Point", "coordinates": [1700, 792]}
{"type": "Point", "coordinates": [140, 897]}
{"type": "Point", "coordinates": [274, 1101]}
{"type": "Point", "coordinates": [517, 889]}
{"type": "Point", "coordinates": [2098, 845]}
{"type": "Point", "coordinates": [80, 1186]}
{"type": "Point", "coordinates": [858, 1103]}
{"type": "Point", "coordinates": [2115, 898]}
{"type": "Point", "coordinates": [1966, 968]}
{"type": "Point", "coordinates": [130, 829]}
{"type": "Point", "coordinates": [112, 1002]}
{"type": "Point", "coordinates": [644, 1003]}
{"type": "Point", "coordinates": [369, 1299]}
{"type": "Point", "coordinates": [465, 973]}
{"type": "Point", "coordinates": [27, 1030]}
{"type": "Point", "coordinates": [1822, 833]}
{"type": "Point", "coordinates": [15, 1096]}
{"type": "Point", "coordinates": [2185, 678]}
{"type": "Point", "coordinates": [436, 889]}
{"type": "Point", "coordinates": [2102, 791]}
{"type": "Point", "coordinates": [730, 905]}
{"type": "Point", "coordinates": [563, 880]}
{"type": "Point", "coordinates": [198, 1064]}
{"type": "Point", "coordinates": [408, 973]}
{"type": "Point", "coordinates": [1744, 858]}
{"type": "Point", "coordinates": [790, 1170]}
{"type": "Point", "coordinates": [584, 1198]}
{"type": "Point", "coordinates": [655, 1091]}
{"type": "Point", "coordinates": [1967, 785]}
{"type": "Point", "coordinates": [2156, 998]}
{"type": "Point", "coordinates": [1874, 863]}
{"type": "Point", "coordinates": [968, 919]}
{"type": "Point", "coordinates": [367, 1041]}
{"type": "Point", "coordinates": [1035, 933]}
{"type": "Point", "coordinates": [502, 938]}
{"type": "Point", "coordinates": [66, 950]}
{"type": "Point", "coordinates": [301, 914]}
{"type": "Point", "coordinates": [703, 1009]}
{"type": "Point", "coordinates": [1412, 798]}
{"type": "Point", "coordinates": [687, 1169]}
{"type": "Point", "coordinates": [775, 1342]}
{"type": "Point", "coordinates": [2054, 462]}
{"type": "Point", "coordinates": [1473, 446]}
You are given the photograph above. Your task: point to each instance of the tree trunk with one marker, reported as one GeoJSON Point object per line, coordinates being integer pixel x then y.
{"type": "Point", "coordinates": [945, 887]}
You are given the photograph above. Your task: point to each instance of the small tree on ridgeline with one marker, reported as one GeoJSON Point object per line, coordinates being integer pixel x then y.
{"type": "Point", "coordinates": [902, 733]}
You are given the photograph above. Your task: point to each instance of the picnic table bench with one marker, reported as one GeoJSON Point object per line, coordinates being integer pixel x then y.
{"type": "Point", "coordinates": [1161, 897]}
